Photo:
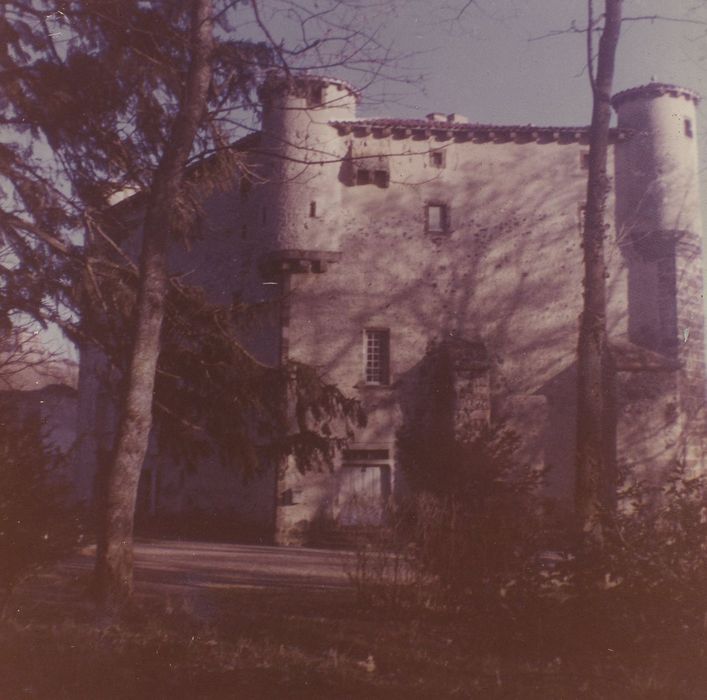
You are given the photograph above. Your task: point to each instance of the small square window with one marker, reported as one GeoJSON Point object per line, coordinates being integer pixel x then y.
{"type": "Point", "coordinates": [381, 178]}
{"type": "Point", "coordinates": [363, 177]}
{"type": "Point", "coordinates": [688, 128]}
{"type": "Point", "coordinates": [437, 159]}
{"type": "Point", "coordinates": [437, 218]}
{"type": "Point", "coordinates": [377, 357]}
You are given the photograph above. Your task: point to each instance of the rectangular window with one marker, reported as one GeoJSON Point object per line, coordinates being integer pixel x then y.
{"type": "Point", "coordinates": [581, 216]}
{"type": "Point", "coordinates": [437, 218]}
{"type": "Point", "coordinates": [312, 210]}
{"type": "Point", "coordinates": [688, 128]}
{"type": "Point", "coordinates": [377, 356]}
{"type": "Point", "coordinates": [437, 159]}
{"type": "Point", "coordinates": [363, 177]}
{"type": "Point", "coordinates": [316, 96]}
{"type": "Point", "coordinates": [381, 178]}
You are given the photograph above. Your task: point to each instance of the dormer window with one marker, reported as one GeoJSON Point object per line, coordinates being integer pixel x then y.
{"type": "Point", "coordinates": [380, 178]}
{"type": "Point", "coordinates": [366, 169]}
{"type": "Point", "coordinates": [363, 177]}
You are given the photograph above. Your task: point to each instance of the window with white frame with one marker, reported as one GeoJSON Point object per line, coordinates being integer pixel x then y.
{"type": "Point", "coordinates": [377, 356]}
{"type": "Point", "coordinates": [436, 218]}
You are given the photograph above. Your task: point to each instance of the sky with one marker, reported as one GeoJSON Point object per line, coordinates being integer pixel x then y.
{"type": "Point", "coordinates": [501, 63]}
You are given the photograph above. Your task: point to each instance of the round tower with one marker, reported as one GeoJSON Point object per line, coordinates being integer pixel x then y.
{"type": "Point", "coordinates": [303, 187]}
{"type": "Point", "coordinates": [660, 231]}
{"type": "Point", "coordinates": [656, 166]}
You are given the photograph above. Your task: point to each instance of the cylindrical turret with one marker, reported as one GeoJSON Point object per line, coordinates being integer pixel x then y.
{"type": "Point", "coordinates": [657, 187]}
{"type": "Point", "coordinates": [303, 190]}
{"type": "Point", "coordinates": [659, 227]}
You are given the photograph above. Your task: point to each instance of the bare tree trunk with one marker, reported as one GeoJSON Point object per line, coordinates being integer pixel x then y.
{"type": "Point", "coordinates": [592, 360]}
{"type": "Point", "coordinates": [113, 576]}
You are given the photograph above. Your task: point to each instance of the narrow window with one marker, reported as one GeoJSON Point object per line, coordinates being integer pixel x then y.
{"type": "Point", "coordinates": [581, 216]}
{"type": "Point", "coordinates": [316, 96]}
{"type": "Point", "coordinates": [380, 178]}
{"type": "Point", "coordinates": [363, 177]}
{"type": "Point", "coordinates": [584, 160]}
{"type": "Point", "coordinates": [312, 210]}
{"type": "Point", "coordinates": [377, 356]}
{"type": "Point", "coordinates": [437, 218]}
{"type": "Point", "coordinates": [688, 128]}
{"type": "Point", "coordinates": [667, 303]}
{"type": "Point", "coordinates": [437, 159]}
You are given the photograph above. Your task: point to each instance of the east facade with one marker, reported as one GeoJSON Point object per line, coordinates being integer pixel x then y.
{"type": "Point", "coordinates": [388, 245]}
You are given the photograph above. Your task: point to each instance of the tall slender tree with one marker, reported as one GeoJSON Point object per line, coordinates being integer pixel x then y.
{"type": "Point", "coordinates": [592, 354]}
{"type": "Point", "coordinates": [114, 556]}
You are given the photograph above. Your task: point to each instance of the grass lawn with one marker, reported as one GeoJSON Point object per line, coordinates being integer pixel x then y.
{"type": "Point", "coordinates": [276, 643]}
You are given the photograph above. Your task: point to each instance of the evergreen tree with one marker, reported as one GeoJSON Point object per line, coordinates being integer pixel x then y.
{"type": "Point", "coordinates": [109, 96]}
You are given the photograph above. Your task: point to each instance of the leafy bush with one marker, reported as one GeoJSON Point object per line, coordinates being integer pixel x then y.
{"type": "Point", "coordinates": [37, 527]}
{"type": "Point", "coordinates": [652, 567]}
{"type": "Point", "coordinates": [476, 519]}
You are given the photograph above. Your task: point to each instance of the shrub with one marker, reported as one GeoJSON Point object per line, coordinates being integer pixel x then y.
{"type": "Point", "coordinates": [653, 563]}
{"type": "Point", "coordinates": [37, 527]}
{"type": "Point", "coordinates": [476, 519]}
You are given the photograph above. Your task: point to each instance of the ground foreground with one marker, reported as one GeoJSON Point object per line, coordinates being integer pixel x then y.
{"type": "Point", "coordinates": [286, 625]}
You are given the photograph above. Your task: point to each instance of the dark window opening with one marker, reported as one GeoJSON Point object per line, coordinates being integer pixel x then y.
{"type": "Point", "coordinates": [437, 159]}
{"type": "Point", "coordinates": [316, 96]}
{"type": "Point", "coordinates": [363, 177]}
{"type": "Point", "coordinates": [312, 210]}
{"type": "Point", "coordinates": [667, 303]}
{"type": "Point", "coordinates": [688, 128]}
{"type": "Point", "coordinates": [381, 178]}
{"type": "Point", "coordinates": [377, 350]}
{"type": "Point", "coordinates": [584, 160]}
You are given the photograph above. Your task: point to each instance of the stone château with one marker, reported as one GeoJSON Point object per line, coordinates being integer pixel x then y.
{"type": "Point", "coordinates": [385, 241]}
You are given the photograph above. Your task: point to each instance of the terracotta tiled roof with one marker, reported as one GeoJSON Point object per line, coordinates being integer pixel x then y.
{"type": "Point", "coordinates": [655, 90]}
{"type": "Point", "coordinates": [488, 131]}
